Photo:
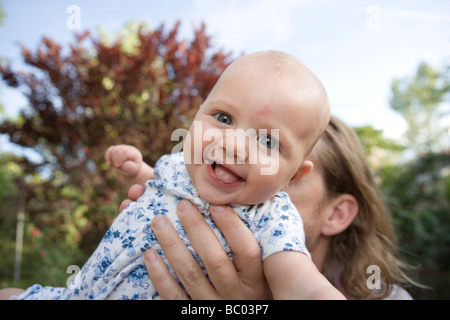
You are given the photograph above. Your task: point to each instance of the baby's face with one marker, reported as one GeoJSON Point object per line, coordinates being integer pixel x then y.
{"type": "Point", "coordinates": [249, 138]}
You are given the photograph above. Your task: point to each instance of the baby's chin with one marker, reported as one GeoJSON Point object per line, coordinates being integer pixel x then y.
{"type": "Point", "coordinates": [215, 199]}
{"type": "Point", "coordinates": [225, 199]}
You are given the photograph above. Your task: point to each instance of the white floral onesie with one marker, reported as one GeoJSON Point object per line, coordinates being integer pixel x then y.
{"type": "Point", "coordinates": [116, 269]}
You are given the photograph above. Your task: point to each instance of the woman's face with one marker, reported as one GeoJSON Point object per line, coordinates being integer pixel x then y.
{"type": "Point", "coordinates": [309, 197]}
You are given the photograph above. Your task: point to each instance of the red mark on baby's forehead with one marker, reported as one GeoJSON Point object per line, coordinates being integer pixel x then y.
{"type": "Point", "coordinates": [264, 111]}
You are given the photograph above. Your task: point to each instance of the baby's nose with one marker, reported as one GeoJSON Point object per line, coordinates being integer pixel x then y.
{"type": "Point", "coordinates": [237, 146]}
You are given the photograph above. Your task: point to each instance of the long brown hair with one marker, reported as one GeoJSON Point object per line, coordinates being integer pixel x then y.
{"type": "Point", "coordinates": [370, 239]}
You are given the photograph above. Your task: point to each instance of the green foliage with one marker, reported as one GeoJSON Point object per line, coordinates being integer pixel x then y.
{"type": "Point", "coordinates": [373, 138]}
{"type": "Point", "coordinates": [380, 150]}
{"type": "Point", "coordinates": [2, 14]}
{"type": "Point", "coordinates": [9, 171]}
{"type": "Point", "coordinates": [418, 194]}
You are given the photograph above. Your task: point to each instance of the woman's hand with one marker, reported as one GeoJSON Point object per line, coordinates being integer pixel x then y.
{"type": "Point", "coordinates": [242, 278]}
{"type": "Point", "coordinates": [135, 191]}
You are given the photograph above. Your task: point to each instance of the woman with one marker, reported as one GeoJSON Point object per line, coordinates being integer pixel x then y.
{"type": "Point", "coordinates": [347, 226]}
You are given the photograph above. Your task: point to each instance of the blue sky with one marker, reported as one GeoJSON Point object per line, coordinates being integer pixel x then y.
{"type": "Point", "coordinates": [355, 47]}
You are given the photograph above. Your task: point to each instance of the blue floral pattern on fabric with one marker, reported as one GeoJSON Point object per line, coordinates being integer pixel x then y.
{"type": "Point", "coordinates": [116, 269]}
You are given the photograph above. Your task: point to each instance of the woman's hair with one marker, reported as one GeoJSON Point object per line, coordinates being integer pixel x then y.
{"type": "Point", "coordinates": [370, 239]}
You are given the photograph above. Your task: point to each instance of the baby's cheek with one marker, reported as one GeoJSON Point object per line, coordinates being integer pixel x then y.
{"type": "Point", "coordinates": [262, 187]}
{"type": "Point", "coordinates": [193, 147]}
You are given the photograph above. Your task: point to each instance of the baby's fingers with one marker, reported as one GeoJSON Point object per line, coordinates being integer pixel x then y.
{"type": "Point", "coordinates": [118, 155]}
{"type": "Point", "coordinates": [108, 153]}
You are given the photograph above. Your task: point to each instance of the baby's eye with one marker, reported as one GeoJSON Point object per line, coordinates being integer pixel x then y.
{"type": "Point", "coordinates": [224, 118]}
{"type": "Point", "coordinates": [268, 142]}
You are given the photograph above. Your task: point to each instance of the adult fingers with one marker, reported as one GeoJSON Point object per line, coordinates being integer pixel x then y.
{"type": "Point", "coordinates": [124, 204]}
{"type": "Point", "coordinates": [246, 253]}
{"type": "Point", "coordinates": [161, 277]}
{"type": "Point", "coordinates": [221, 270]}
{"type": "Point", "coordinates": [181, 260]}
{"type": "Point", "coordinates": [135, 191]}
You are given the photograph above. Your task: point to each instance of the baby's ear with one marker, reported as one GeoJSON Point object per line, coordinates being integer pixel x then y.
{"type": "Point", "coordinates": [306, 167]}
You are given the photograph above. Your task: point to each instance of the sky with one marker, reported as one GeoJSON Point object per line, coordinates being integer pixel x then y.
{"type": "Point", "coordinates": [355, 47]}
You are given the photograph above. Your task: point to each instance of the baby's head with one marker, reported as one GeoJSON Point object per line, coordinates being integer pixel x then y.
{"type": "Point", "coordinates": [250, 137]}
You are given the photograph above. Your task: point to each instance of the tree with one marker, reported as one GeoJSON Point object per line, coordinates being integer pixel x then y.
{"type": "Point", "coordinates": [99, 94]}
{"type": "Point", "coordinates": [380, 150]}
{"type": "Point", "coordinates": [419, 100]}
{"type": "Point", "coordinates": [418, 194]}
{"type": "Point", "coordinates": [418, 191]}
{"type": "Point", "coordinates": [2, 14]}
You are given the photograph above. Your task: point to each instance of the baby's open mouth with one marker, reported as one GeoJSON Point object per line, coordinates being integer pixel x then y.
{"type": "Point", "coordinates": [224, 174]}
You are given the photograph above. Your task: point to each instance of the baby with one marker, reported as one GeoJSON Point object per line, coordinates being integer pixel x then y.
{"type": "Point", "coordinates": [248, 141]}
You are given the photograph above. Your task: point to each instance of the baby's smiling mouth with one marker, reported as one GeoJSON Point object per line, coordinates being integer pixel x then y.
{"type": "Point", "coordinates": [224, 174]}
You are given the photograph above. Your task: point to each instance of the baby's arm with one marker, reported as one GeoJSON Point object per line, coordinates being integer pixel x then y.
{"type": "Point", "coordinates": [129, 161]}
{"type": "Point", "coordinates": [292, 275]}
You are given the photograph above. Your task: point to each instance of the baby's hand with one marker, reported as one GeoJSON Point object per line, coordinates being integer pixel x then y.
{"type": "Point", "coordinates": [126, 158]}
